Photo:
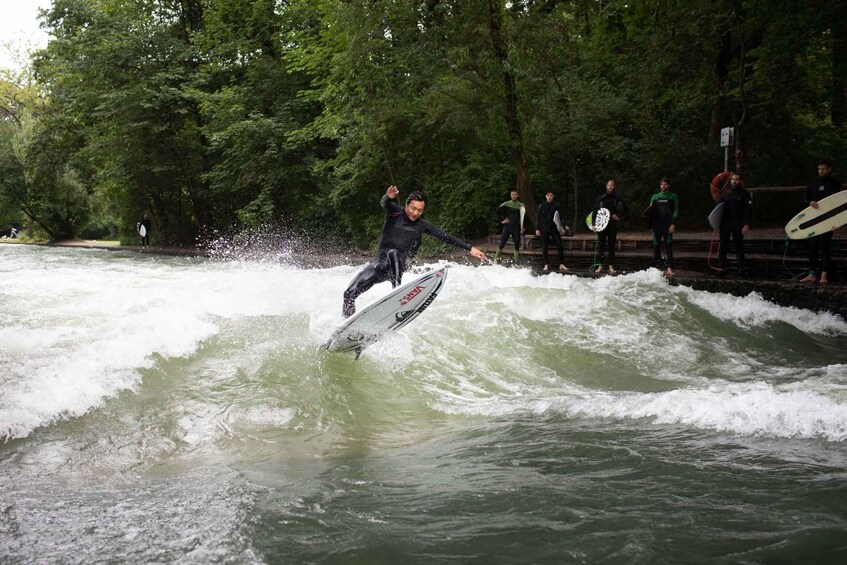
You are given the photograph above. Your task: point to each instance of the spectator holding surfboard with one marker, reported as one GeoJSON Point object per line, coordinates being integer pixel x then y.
{"type": "Point", "coordinates": [512, 211]}
{"type": "Point", "coordinates": [143, 227]}
{"type": "Point", "coordinates": [665, 213]}
{"type": "Point", "coordinates": [817, 190]}
{"type": "Point", "coordinates": [616, 206]}
{"type": "Point", "coordinates": [548, 223]}
{"type": "Point", "coordinates": [400, 239]}
{"type": "Point", "coordinates": [735, 222]}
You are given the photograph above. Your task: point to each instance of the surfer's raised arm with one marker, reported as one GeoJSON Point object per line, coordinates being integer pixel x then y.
{"type": "Point", "coordinates": [386, 201]}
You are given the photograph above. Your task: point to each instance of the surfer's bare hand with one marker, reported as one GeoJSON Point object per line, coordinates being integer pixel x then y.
{"type": "Point", "coordinates": [392, 191]}
{"type": "Point", "coordinates": [478, 253]}
{"type": "Point", "coordinates": [505, 221]}
{"type": "Point", "coordinates": [745, 230]}
{"type": "Point", "coordinates": [813, 204]}
{"type": "Point", "coordinates": [672, 229]}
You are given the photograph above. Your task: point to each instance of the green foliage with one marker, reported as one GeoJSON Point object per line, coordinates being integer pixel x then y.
{"type": "Point", "coordinates": [239, 114]}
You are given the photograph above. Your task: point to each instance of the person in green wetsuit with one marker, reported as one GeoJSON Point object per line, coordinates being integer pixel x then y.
{"type": "Point", "coordinates": [512, 211]}
{"type": "Point", "coordinates": [665, 206]}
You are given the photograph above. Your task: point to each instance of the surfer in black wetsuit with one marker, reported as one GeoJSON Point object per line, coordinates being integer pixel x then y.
{"type": "Point", "coordinates": [548, 224]}
{"type": "Point", "coordinates": [819, 189]}
{"type": "Point", "coordinates": [400, 239]}
{"type": "Point", "coordinates": [512, 211]}
{"type": "Point", "coordinates": [613, 202]}
{"type": "Point", "coordinates": [735, 222]}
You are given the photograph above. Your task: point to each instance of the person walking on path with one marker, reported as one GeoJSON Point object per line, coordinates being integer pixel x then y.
{"type": "Point", "coordinates": [817, 190]}
{"type": "Point", "coordinates": [665, 206]}
{"type": "Point", "coordinates": [548, 224]}
{"type": "Point", "coordinates": [735, 222]}
{"type": "Point", "coordinates": [512, 211]}
{"type": "Point", "coordinates": [613, 202]}
{"type": "Point", "coordinates": [143, 227]}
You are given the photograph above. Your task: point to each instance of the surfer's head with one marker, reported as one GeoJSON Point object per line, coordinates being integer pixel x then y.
{"type": "Point", "coordinates": [415, 205]}
{"type": "Point", "coordinates": [514, 195]}
{"type": "Point", "coordinates": [665, 184]}
{"type": "Point", "coordinates": [610, 186]}
{"type": "Point", "coordinates": [824, 168]}
{"type": "Point", "coordinates": [549, 196]}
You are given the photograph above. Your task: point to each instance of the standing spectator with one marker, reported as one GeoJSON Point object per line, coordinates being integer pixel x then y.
{"type": "Point", "coordinates": [143, 228]}
{"type": "Point", "coordinates": [735, 222]}
{"type": "Point", "coordinates": [548, 225]}
{"type": "Point", "coordinates": [816, 190]}
{"type": "Point", "coordinates": [613, 202]}
{"type": "Point", "coordinates": [665, 214]}
{"type": "Point", "coordinates": [512, 211]}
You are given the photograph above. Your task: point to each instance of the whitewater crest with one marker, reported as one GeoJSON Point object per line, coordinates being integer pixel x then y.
{"type": "Point", "coordinates": [90, 326]}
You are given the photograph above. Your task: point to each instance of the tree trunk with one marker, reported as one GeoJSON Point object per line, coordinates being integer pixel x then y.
{"type": "Point", "coordinates": [510, 91]}
{"type": "Point", "coordinates": [839, 72]}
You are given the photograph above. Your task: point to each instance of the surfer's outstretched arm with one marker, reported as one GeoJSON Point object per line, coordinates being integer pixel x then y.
{"type": "Point", "coordinates": [479, 254]}
{"type": "Point", "coordinates": [438, 233]}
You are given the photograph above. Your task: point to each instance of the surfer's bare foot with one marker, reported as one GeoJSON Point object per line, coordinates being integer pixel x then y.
{"type": "Point", "coordinates": [809, 278]}
{"type": "Point", "coordinates": [563, 268]}
{"type": "Point", "coordinates": [669, 272]}
{"type": "Point", "coordinates": [546, 268]}
{"type": "Point", "coordinates": [599, 269]}
{"type": "Point", "coordinates": [611, 270]}
{"type": "Point", "coordinates": [824, 280]}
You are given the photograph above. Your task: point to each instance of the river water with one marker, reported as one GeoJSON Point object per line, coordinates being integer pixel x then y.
{"type": "Point", "coordinates": [160, 409]}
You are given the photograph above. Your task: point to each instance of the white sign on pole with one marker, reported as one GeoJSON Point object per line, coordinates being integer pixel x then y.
{"type": "Point", "coordinates": [727, 137]}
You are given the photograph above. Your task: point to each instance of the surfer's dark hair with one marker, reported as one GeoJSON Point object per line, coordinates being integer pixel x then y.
{"type": "Point", "coordinates": [666, 179]}
{"type": "Point", "coordinates": [826, 162]}
{"type": "Point", "coordinates": [416, 195]}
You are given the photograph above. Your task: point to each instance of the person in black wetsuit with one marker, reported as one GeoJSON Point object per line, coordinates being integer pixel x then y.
{"type": "Point", "coordinates": [548, 224]}
{"type": "Point", "coordinates": [816, 190]}
{"type": "Point", "coordinates": [400, 239]}
{"type": "Point", "coordinates": [512, 211]}
{"type": "Point", "coordinates": [735, 222]}
{"type": "Point", "coordinates": [612, 201]}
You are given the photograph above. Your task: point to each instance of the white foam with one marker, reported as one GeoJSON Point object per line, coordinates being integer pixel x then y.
{"type": "Point", "coordinates": [756, 409]}
{"type": "Point", "coordinates": [83, 329]}
{"type": "Point", "coordinates": [753, 311]}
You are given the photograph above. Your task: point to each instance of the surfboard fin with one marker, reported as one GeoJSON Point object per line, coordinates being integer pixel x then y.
{"type": "Point", "coordinates": [358, 353]}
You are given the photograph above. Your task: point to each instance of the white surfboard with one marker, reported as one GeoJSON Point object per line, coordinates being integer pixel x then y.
{"type": "Point", "coordinates": [390, 313]}
{"type": "Point", "coordinates": [716, 216]}
{"type": "Point", "coordinates": [831, 213]}
{"type": "Point", "coordinates": [601, 221]}
{"type": "Point", "coordinates": [142, 231]}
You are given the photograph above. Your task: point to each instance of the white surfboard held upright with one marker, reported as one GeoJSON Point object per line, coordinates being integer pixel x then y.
{"type": "Point", "coordinates": [390, 313]}
{"type": "Point", "coordinates": [831, 213]}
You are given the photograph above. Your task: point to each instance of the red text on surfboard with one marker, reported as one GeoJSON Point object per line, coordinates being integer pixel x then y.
{"type": "Point", "coordinates": [411, 294]}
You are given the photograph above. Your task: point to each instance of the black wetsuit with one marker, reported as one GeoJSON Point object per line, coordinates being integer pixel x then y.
{"type": "Point", "coordinates": [513, 210]}
{"type": "Point", "coordinates": [821, 244]}
{"type": "Point", "coordinates": [400, 240]}
{"type": "Point", "coordinates": [616, 205]}
{"type": "Point", "coordinates": [545, 222]}
{"type": "Point", "coordinates": [738, 212]}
